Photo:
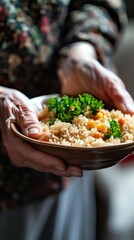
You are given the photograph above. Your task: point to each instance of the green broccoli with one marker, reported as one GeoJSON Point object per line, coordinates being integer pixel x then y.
{"type": "Point", "coordinates": [115, 130]}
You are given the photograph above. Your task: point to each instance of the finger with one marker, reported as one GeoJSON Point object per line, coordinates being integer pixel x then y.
{"type": "Point", "coordinates": [27, 156]}
{"type": "Point", "coordinates": [114, 90]}
{"type": "Point", "coordinates": [24, 155]}
{"type": "Point", "coordinates": [74, 171]}
{"type": "Point", "coordinates": [124, 101]}
{"type": "Point", "coordinates": [52, 164]}
{"type": "Point", "coordinates": [120, 97]}
{"type": "Point", "coordinates": [9, 108]}
{"type": "Point", "coordinates": [71, 171]}
{"type": "Point", "coordinates": [6, 115]}
{"type": "Point", "coordinates": [23, 116]}
{"type": "Point", "coordinates": [27, 120]}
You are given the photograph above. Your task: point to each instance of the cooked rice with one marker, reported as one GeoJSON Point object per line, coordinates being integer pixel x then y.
{"type": "Point", "coordinates": [86, 131]}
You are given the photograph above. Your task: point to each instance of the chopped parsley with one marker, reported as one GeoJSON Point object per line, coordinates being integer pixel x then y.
{"type": "Point", "coordinates": [115, 130]}
{"type": "Point", "coordinates": [66, 108]}
{"type": "Point", "coordinates": [51, 121]}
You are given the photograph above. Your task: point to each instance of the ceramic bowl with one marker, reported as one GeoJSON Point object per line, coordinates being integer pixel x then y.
{"type": "Point", "coordinates": [87, 158]}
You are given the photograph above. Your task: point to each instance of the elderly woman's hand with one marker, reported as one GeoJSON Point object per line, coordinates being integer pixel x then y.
{"type": "Point", "coordinates": [79, 71]}
{"type": "Point", "coordinates": [16, 107]}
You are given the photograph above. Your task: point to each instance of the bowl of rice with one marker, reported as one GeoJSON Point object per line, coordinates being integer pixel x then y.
{"type": "Point", "coordinates": [81, 131]}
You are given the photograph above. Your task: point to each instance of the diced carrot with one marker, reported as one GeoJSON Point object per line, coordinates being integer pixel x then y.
{"type": "Point", "coordinates": [102, 127]}
{"type": "Point", "coordinates": [98, 115]}
{"type": "Point", "coordinates": [97, 135]}
{"type": "Point", "coordinates": [121, 121]}
{"type": "Point", "coordinates": [91, 124]}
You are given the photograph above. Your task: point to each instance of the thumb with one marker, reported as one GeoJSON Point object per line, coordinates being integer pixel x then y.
{"type": "Point", "coordinates": [28, 122]}
{"type": "Point", "coordinates": [26, 118]}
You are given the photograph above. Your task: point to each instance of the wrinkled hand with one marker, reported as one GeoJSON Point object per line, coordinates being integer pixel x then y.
{"type": "Point", "coordinates": [79, 72]}
{"type": "Point", "coordinates": [16, 107]}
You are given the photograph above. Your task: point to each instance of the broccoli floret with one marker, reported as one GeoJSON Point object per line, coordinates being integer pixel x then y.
{"type": "Point", "coordinates": [115, 130]}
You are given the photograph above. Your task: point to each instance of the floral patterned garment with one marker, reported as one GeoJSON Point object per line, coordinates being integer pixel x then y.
{"type": "Point", "coordinates": [31, 34]}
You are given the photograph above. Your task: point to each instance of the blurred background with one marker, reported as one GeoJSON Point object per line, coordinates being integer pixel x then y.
{"type": "Point", "coordinates": [115, 185]}
{"type": "Point", "coordinates": [124, 57]}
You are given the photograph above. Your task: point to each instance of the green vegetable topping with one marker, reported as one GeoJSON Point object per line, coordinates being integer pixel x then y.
{"type": "Point", "coordinates": [51, 121]}
{"type": "Point", "coordinates": [66, 108]}
{"type": "Point", "coordinates": [115, 130]}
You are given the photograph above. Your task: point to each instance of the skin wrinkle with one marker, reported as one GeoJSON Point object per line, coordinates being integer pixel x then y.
{"type": "Point", "coordinates": [10, 117]}
{"type": "Point", "coordinates": [50, 168]}
{"type": "Point", "coordinates": [27, 160]}
{"type": "Point", "coordinates": [113, 86]}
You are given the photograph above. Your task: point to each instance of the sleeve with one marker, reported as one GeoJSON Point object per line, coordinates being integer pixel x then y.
{"type": "Point", "coordinates": [17, 30]}
{"type": "Point", "coordinates": [100, 22]}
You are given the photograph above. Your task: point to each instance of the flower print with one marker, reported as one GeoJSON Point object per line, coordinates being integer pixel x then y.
{"type": "Point", "coordinates": [14, 61]}
{"type": "Point", "coordinates": [3, 13]}
{"type": "Point", "coordinates": [44, 25]}
{"type": "Point", "coordinates": [24, 40]}
{"type": "Point", "coordinates": [43, 54]}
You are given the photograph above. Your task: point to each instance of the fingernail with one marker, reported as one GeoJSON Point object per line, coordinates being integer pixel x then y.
{"type": "Point", "coordinates": [33, 131]}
